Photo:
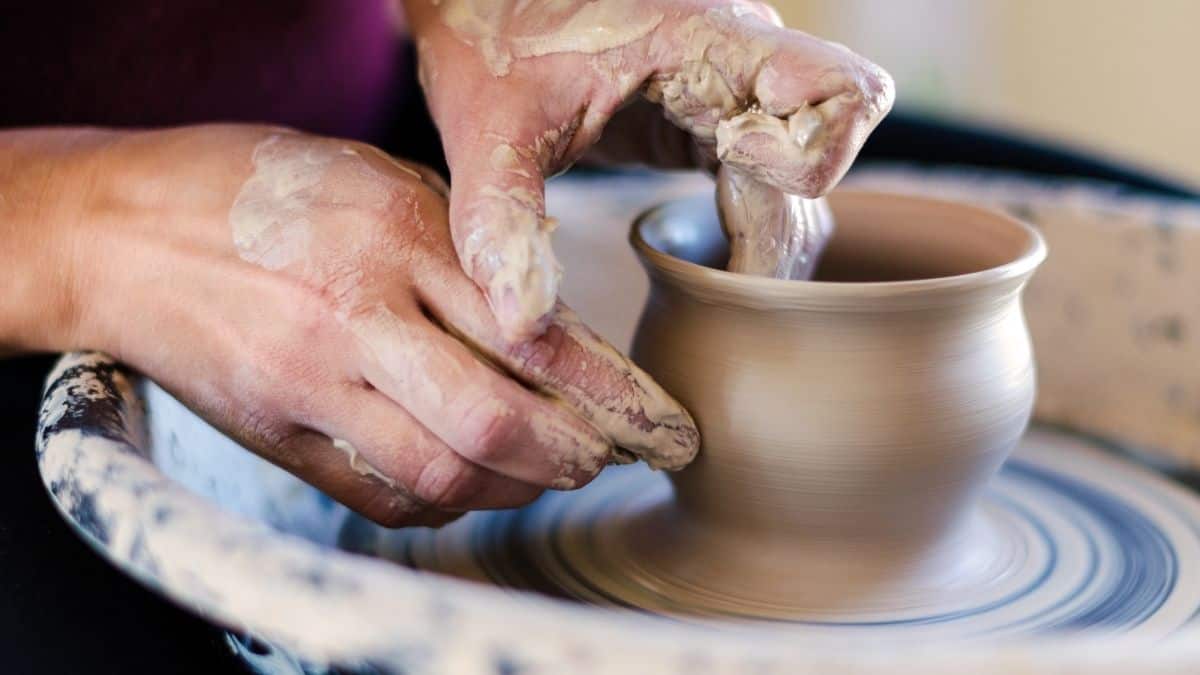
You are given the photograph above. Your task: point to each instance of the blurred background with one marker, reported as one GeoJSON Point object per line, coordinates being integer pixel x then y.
{"type": "Point", "coordinates": [1114, 76]}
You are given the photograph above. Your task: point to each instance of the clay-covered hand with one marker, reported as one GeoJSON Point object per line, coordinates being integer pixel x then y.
{"type": "Point", "coordinates": [303, 295]}
{"type": "Point", "coordinates": [520, 90]}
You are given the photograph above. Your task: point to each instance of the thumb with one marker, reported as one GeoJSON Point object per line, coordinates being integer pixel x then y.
{"type": "Point", "coordinates": [501, 232]}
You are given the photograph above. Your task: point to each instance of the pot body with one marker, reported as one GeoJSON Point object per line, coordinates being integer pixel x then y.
{"type": "Point", "coordinates": [845, 410]}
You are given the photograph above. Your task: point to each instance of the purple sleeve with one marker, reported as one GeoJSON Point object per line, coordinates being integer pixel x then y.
{"type": "Point", "coordinates": [335, 67]}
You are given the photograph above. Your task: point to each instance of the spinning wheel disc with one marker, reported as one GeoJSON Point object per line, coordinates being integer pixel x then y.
{"type": "Point", "coordinates": [1068, 537]}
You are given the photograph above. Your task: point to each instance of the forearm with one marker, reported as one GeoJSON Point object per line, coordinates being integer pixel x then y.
{"type": "Point", "coordinates": [45, 178]}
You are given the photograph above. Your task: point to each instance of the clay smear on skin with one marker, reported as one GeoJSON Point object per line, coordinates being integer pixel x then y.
{"type": "Point", "coordinates": [272, 225]}
{"type": "Point", "coordinates": [771, 233]}
{"type": "Point", "coordinates": [509, 246]}
{"type": "Point", "coordinates": [360, 464]}
{"type": "Point", "coordinates": [506, 30]}
{"type": "Point", "coordinates": [637, 413]}
{"type": "Point", "coordinates": [716, 72]}
{"type": "Point", "coordinates": [510, 239]}
{"type": "Point", "coordinates": [721, 93]}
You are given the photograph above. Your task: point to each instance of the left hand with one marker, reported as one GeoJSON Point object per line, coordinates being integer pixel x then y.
{"type": "Point", "coordinates": [520, 93]}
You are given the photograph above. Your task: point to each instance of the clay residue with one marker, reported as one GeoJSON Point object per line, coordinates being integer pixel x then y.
{"type": "Point", "coordinates": [294, 175]}
{"type": "Point", "coordinates": [715, 74]}
{"type": "Point", "coordinates": [724, 92]}
{"type": "Point", "coordinates": [506, 30]}
{"type": "Point", "coordinates": [616, 396]}
{"type": "Point", "coordinates": [509, 248]}
{"type": "Point", "coordinates": [800, 153]}
{"type": "Point", "coordinates": [505, 157]}
{"type": "Point", "coordinates": [771, 233]}
{"type": "Point", "coordinates": [360, 465]}
{"type": "Point", "coordinates": [270, 217]}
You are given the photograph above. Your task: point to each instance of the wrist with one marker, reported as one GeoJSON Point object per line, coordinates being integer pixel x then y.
{"type": "Point", "coordinates": [45, 175]}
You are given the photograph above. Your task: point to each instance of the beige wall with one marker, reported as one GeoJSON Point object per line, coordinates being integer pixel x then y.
{"type": "Point", "coordinates": [1121, 76]}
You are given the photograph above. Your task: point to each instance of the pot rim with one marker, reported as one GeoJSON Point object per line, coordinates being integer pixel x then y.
{"type": "Point", "coordinates": [754, 291]}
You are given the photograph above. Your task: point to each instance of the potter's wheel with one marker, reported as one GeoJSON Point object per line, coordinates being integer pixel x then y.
{"type": "Point", "coordinates": [1068, 537]}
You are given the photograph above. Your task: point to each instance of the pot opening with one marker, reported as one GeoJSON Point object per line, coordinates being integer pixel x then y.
{"type": "Point", "coordinates": [879, 238]}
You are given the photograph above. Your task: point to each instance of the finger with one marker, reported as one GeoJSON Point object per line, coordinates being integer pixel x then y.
{"type": "Point", "coordinates": [313, 457]}
{"type": "Point", "coordinates": [481, 414]}
{"type": "Point", "coordinates": [781, 105]}
{"type": "Point", "coordinates": [499, 224]}
{"type": "Point", "coordinates": [377, 437]}
{"type": "Point", "coordinates": [573, 363]}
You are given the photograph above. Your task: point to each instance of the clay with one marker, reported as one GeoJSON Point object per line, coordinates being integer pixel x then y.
{"type": "Point", "coordinates": [360, 464]}
{"type": "Point", "coordinates": [848, 427]}
{"type": "Point", "coordinates": [508, 30]}
{"type": "Point", "coordinates": [771, 233]}
{"type": "Point", "coordinates": [723, 92]}
{"type": "Point", "coordinates": [515, 247]}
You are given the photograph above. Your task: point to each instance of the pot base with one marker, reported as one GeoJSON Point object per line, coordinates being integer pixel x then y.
{"type": "Point", "coordinates": [652, 556]}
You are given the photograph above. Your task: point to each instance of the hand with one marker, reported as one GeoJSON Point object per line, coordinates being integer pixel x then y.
{"type": "Point", "coordinates": [522, 90]}
{"type": "Point", "coordinates": [302, 294]}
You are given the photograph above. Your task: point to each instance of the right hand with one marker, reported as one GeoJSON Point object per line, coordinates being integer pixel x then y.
{"type": "Point", "coordinates": [516, 102]}
{"type": "Point", "coordinates": [313, 293]}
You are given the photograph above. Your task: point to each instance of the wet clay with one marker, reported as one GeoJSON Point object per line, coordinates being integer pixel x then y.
{"type": "Point", "coordinates": [771, 233]}
{"type": "Point", "coordinates": [727, 74]}
{"type": "Point", "coordinates": [848, 427]}
{"type": "Point", "coordinates": [504, 30]}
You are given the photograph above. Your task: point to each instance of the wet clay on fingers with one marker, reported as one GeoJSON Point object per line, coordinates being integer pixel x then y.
{"type": "Point", "coordinates": [310, 209]}
{"type": "Point", "coordinates": [771, 233]}
{"type": "Point", "coordinates": [782, 107]}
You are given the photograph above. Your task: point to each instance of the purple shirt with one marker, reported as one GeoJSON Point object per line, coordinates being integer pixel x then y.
{"type": "Point", "coordinates": [335, 67]}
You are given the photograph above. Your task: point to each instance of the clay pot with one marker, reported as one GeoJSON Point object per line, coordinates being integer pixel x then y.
{"type": "Point", "coordinates": [849, 424]}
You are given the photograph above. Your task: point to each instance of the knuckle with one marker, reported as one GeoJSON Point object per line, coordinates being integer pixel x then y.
{"type": "Point", "coordinates": [540, 355]}
{"type": "Point", "coordinates": [450, 487]}
{"type": "Point", "coordinates": [767, 12]}
{"type": "Point", "coordinates": [489, 427]}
